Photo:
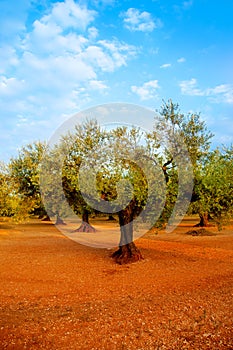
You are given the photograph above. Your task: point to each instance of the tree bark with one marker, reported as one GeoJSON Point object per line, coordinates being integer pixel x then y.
{"type": "Point", "coordinates": [204, 220]}
{"type": "Point", "coordinates": [59, 221]}
{"type": "Point", "coordinates": [127, 252]}
{"type": "Point", "coordinates": [164, 168]}
{"type": "Point", "coordinates": [85, 226]}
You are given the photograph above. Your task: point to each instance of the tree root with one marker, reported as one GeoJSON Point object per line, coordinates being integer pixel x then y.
{"type": "Point", "coordinates": [127, 254]}
{"type": "Point", "coordinates": [59, 221]}
{"type": "Point", "coordinates": [85, 227]}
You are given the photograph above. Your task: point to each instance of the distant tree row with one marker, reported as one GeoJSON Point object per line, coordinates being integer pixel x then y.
{"type": "Point", "coordinates": [128, 157]}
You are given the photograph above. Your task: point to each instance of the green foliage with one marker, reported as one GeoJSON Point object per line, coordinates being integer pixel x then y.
{"type": "Point", "coordinates": [24, 178]}
{"type": "Point", "coordinates": [175, 129]}
{"type": "Point", "coordinates": [96, 166]}
{"type": "Point", "coordinates": [214, 188]}
{"type": "Point", "coordinates": [80, 150]}
{"type": "Point", "coordinates": [183, 142]}
{"type": "Point", "coordinates": [7, 199]}
{"type": "Point", "coordinates": [105, 170]}
{"type": "Point", "coordinates": [50, 175]}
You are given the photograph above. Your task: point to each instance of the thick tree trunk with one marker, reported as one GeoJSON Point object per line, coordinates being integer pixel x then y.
{"type": "Point", "coordinates": [204, 220]}
{"type": "Point", "coordinates": [127, 252]}
{"type": "Point", "coordinates": [59, 221]}
{"type": "Point", "coordinates": [85, 226]}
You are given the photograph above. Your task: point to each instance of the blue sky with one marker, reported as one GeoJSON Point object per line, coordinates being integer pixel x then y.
{"type": "Point", "coordinates": [60, 57]}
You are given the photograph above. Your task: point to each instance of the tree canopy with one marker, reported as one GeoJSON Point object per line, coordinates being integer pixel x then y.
{"type": "Point", "coordinates": [20, 180]}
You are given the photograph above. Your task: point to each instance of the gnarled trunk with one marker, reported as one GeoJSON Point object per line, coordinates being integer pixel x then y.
{"type": "Point", "coordinates": [59, 221]}
{"type": "Point", "coordinates": [127, 252]}
{"type": "Point", "coordinates": [204, 220]}
{"type": "Point", "coordinates": [85, 226]}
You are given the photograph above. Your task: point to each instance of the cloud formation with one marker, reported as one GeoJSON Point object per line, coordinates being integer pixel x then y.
{"type": "Point", "coordinates": [147, 91]}
{"type": "Point", "coordinates": [181, 60]}
{"type": "Point", "coordinates": [69, 14]}
{"type": "Point", "coordinates": [137, 21]}
{"type": "Point", "coordinates": [62, 57]}
{"type": "Point", "coordinates": [218, 94]}
{"type": "Point", "coordinates": [165, 65]}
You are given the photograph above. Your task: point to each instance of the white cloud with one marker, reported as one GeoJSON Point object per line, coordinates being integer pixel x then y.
{"type": "Point", "coordinates": [222, 93]}
{"type": "Point", "coordinates": [59, 30]}
{"type": "Point", "coordinates": [135, 20]}
{"type": "Point", "coordinates": [108, 55]}
{"type": "Point", "coordinates": [189, 87]}
{"type": "Point", "coordinates": [119, 51]}
{"type": "Point", "coordinates": [56, 69]}
{"type": "Point", "coordinates": [8, 58]}
{"type": "Point", "coordinates": [96, 57]}
{"type": "Point", "coordinates": [218, 94]}
{"type": "Point", "coordinates": [57, 60]}
{"type": "Point", "coordinates": [69, 14]}
{"type": "Point", "coordinates": [147, 91]}
{"type": "Point", "coordinates": [92, 33]}
{"type": "Point", "coordinates": [165, 65]}
{"type": "Point", "coordinates": [181, 60]}
{"type": "Point", "coordinates": [97, 85]}
{"type": "Point", "coordinates": [55, 55]}
{"type": "Point", "coordinates": [10, 86]}
{"type": "Point", "coordinates": [70, 68]}
{"type": "Point", "coordinates": [49, 39]}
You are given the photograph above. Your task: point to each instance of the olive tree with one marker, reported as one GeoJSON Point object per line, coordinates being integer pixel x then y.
{"type": "Point", "coordinates": [24, 174]}
{"type": "Point", "coordinates": [215, 190]}
{"type": "Point", "coordinates": [79, 145]}
{"type": "Point", "coordinates": [112, 172]}
{"type": "Point", "coordinates": [189, 130]}
{"type": "Point", "coordinates": [8, 198]}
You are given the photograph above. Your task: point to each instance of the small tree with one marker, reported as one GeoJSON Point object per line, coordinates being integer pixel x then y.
{"type": "Point", "coordinates": [24, 174]}
{"type": "Point", "coordinates": [215, 190]}
{"type": "Point", "coordinates": [8, 198]}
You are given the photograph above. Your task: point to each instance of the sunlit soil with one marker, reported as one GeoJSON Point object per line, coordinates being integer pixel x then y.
{"type": "Point", "coordinates": [58, 294]}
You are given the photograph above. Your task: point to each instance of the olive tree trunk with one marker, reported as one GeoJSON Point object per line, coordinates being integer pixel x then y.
{"type": "Point", "coordinates": [59, 221]}
{"type": "Point", "coordinates": [127, 251]}
{"type": "Point", "coordinates": [204, 220]}
{"type": "Point", "coordinates": [85, 225]}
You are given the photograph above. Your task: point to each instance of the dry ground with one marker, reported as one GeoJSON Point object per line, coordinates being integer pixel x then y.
{"type": "Point", "coordinates": [57, 294]}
